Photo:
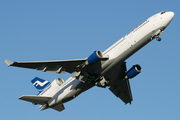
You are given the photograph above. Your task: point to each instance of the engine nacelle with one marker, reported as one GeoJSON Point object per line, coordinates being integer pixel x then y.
{"type": "Point", "coordinates": [49, 91]}
{"type": "Point", "coordinates": [94, 57]}
{"type": "Point", "coordinates": [56, 83]}
{"type": "Point", "coordinates": [135, 70]}
{"type": "Point", "coordinates": [59, 81]}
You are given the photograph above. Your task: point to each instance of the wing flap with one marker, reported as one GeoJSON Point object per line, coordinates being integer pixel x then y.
{"type": "Point", "coordinates": [122, 90]}
{"type": "Point", "coordinates": [35, 99]}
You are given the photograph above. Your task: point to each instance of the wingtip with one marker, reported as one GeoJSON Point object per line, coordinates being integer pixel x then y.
{"type": "Point", "coordinates": [8, 62]}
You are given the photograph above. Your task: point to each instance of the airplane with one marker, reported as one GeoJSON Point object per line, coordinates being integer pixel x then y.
{"type": "Point", "coordinates": [102, 69]}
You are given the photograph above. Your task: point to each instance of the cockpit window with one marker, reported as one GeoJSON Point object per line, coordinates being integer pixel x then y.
{"type": "Point", "coordinates": [163, 12]}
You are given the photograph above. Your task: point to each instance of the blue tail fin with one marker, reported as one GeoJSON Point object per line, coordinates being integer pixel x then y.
{"type": "Point", "coordinates": [40, 84]}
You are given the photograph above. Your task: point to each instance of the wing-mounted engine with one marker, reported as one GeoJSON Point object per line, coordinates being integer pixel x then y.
{"type": "Point", "coordinates": [94, 57]}
{"type": "Point", "coordinates": [133, 71]}
{"type": "Point", "coordinates": [87, 68]}
{"type": "Point", "coordinates": [52, 87]}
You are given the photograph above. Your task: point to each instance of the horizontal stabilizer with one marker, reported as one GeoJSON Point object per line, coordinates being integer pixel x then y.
{"type": "Point", "coordinates": [35, 99]}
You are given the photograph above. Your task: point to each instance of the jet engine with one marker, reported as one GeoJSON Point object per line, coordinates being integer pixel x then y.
{"type": "Point", "coordinates": [52, 87]}
{"type": "Point", "coordinates": [94, 57]}
{"type": "Point", "coordinates": [135, 70]}
{"type": "Point", "coordinates": [57, 82]}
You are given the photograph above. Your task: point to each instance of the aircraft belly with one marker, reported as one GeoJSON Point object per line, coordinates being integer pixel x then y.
{"type": "Point", "coordinates": [63, 91]}
{"type": "Point", "coordinates": [77, 91]}
{"type": "Point", "coordinates": [71, 95]}
{"type": "Point", "coordinates": [70, 92]}
{"type": "Point", "coordinates": [127, 46]}
{"type": "Point", "coordinates": [126, 54]}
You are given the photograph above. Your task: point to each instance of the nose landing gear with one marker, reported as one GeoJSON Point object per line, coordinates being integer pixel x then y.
{"type": "Point", "coordinates": [158, 38]}
{"type": "Point", "coordinates": [157, 35]}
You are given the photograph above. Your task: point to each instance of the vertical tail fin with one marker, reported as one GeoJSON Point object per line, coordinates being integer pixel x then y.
{"type": "Point", "coordinates": [40, 84]}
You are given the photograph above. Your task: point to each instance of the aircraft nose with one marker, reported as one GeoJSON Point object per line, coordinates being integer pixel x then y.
{"type": "Point", "coordinates": [171, 15]}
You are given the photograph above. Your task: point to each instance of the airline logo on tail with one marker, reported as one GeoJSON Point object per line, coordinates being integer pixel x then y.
{"type": "Point", "coordinates": [40, 84]}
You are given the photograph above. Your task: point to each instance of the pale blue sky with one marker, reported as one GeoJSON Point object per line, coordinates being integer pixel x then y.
{"type": "Point", "coordinates": [36, 30]}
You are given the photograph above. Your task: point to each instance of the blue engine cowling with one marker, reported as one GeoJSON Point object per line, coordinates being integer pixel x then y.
{"type": "Point", "coordinates": [135, 70]}
{"type": "Point", "coordinates": [94, 57]}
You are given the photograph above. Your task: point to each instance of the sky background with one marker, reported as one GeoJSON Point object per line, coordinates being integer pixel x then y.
{"type": "Point", "coordinates": [38, 30]}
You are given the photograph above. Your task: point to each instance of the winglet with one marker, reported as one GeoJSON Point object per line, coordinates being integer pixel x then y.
{"type": "Point", "coordinates": [8, 62]}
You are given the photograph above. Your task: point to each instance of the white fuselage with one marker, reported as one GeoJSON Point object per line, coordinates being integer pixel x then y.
{"type": "Point", "coordinates": [117, 53]}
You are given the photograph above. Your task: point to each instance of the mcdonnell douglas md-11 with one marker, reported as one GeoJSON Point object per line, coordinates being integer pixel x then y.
{"type": "Point", "coordinates": [102, 69]}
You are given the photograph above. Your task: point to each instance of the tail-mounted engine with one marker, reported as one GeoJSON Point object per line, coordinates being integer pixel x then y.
{"type": "Point", "coordinates": [135, 70]}
{"type": "Point", "coordinates": [52, 87]}
{"type": "Point", "coordinates": [59, 81]}
{"type": "Point", "coordinates": [56, 83]}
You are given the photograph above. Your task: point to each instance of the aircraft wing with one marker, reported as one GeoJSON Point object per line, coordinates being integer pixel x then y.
{"type": "Point", "coordinates": [122, 90]}
{"type": "Point", "coordinates": [121, 87]}
{"type": "Point", "coordinates": [60, 66]}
